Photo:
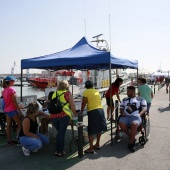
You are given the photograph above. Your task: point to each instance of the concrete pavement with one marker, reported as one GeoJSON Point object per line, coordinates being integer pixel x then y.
{"type": "Point", "coordinates": [154, 155]}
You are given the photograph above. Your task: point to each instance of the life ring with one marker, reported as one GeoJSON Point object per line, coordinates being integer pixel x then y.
{"type": "Point", "coordinates": [79, 80]}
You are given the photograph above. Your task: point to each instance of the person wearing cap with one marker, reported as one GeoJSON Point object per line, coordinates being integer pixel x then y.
{"type": "Point", "coordinates": [11, 108]}
{"type": "Point", "coordinates": [96, 116]}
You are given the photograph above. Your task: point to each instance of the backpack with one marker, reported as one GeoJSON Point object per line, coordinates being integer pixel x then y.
{"type": "Point", "coordinates": [55, 106]}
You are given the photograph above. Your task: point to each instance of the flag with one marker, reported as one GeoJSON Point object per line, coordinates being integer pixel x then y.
{"type": "Point", "coordinates": [14, 63]}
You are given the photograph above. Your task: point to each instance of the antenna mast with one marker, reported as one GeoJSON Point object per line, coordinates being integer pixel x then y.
{"type": "Point", "coordinates": [110, 34]}
{"type": "Point", "coordinates": [104, 48]}
{"type": "Point", "coordinates": [84, 19]}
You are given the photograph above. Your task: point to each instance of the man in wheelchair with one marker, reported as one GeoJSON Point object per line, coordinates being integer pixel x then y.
{"type": "Point", "coordinates": [131, 109]}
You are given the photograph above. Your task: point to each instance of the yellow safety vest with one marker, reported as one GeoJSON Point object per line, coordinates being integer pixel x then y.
{"type": "Point", "coordinates": [66, 107]}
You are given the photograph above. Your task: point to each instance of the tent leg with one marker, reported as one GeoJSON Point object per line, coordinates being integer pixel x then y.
{"type": "Point", "coordinates": [21, 84]}
{"type": "Point", "coordinates": [110, 79]}
{"type": "Point", "coordinates": [137, 76]}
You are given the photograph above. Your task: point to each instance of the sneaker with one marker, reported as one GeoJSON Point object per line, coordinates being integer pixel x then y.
{"type": "Point", "coordinates": [35, 150]}
{"type": "Point", "coordinates": [131, 147]}
{"type": "Point", "coordinates": [25, 151]}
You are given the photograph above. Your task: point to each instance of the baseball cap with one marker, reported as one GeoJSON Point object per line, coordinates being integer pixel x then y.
{"type": "Point", "coordinates": [9, 78]}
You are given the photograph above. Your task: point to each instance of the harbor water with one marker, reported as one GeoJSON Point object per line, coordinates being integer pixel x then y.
{"type": "Point", "coordinates": [27, 91]}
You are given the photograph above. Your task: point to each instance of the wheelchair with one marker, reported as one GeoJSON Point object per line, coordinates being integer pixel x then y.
{"type": "Point", "coordinates": [143, 129]}
{"type": "Point", "coordinates": [2, 124]}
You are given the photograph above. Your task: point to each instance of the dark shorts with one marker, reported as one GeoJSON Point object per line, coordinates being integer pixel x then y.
{"type": "Point", "coordinates": [108, 101]}
{"type": "Point", "coordinates": [96, 121]}
{"type": "Point", "coordinates": [12, 114]}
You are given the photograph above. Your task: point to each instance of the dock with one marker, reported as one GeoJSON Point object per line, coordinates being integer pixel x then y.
{"type": "Point", "coordinates": [153, 156]}
{"type": "Point", "coordinates": [23, 84]}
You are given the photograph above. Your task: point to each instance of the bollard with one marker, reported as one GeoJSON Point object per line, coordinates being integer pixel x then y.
{"type": "Point", "coordinates": [158, 86]}
{"type": "Point", "coordinates": [154, 89]}
{"type": "Point", "coordinates": [80, 135]}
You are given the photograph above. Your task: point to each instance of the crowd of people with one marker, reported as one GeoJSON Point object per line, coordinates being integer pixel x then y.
{"type": "Point", "coordinates": [156, 79]}
{"type": "Point", "coordinates": [27, 128]}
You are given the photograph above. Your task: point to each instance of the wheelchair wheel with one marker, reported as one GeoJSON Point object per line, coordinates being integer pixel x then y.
{"type": "Point", "coordinates": [147, 127]}
{"type": "Point", "coordinates": [142, 140]}
{"type": "Point", "coordinates": [2, 125]}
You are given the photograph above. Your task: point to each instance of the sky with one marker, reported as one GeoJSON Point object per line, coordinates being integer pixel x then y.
{"type": "Point", "coordinates": [138, 29]}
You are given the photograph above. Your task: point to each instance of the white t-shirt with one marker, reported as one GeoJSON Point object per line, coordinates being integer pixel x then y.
{"type": "Point", "coordinates": [134, 104]}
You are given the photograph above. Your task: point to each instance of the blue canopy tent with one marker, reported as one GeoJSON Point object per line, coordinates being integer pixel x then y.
{"type": "Point", "coordinates": [81, 56]}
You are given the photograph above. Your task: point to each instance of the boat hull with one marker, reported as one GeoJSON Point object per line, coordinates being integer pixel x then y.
{"type": "Point", "coordinates": [41, 82]}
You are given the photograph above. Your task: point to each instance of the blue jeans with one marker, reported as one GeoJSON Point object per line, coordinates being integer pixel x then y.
{"type": "Point", "coordinates": [148, 107]}
{"type": "Point", "coordinates": [61, 125]}
{"type": "Point", "coordinates": [32, 144]}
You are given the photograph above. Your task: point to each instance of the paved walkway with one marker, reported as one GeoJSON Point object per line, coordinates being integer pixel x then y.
{"type": "Point", "coordinates": [155, 154]}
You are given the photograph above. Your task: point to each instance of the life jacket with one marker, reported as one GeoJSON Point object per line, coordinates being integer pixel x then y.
{"type": "Point", "coordinates": [66, 107]}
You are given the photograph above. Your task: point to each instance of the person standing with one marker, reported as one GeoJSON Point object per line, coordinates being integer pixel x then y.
{"type": "Point", "coordinates": [132, 82]}
{"type": "Point", "coordinates": [167, 84]}
{"type": "Point", "coordinates": [61, 120]}
{"type": "Point", "coordinates": [11, 108]}
{"type": "Point", "coordinates": [115, 91]}
{"type": "Point", "coordinates": [146, 92]}
{"type": "Point", "coordinates": [96, 117]}
{"type": "Point", "coordinates": [139, 81]}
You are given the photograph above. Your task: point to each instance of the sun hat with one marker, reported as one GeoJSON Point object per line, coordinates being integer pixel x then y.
{"type": "Point", "coordinates": [9, 78]}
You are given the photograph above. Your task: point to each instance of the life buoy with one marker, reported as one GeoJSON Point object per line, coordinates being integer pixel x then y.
{"type": "Point", "coordinates": [79, 80]}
